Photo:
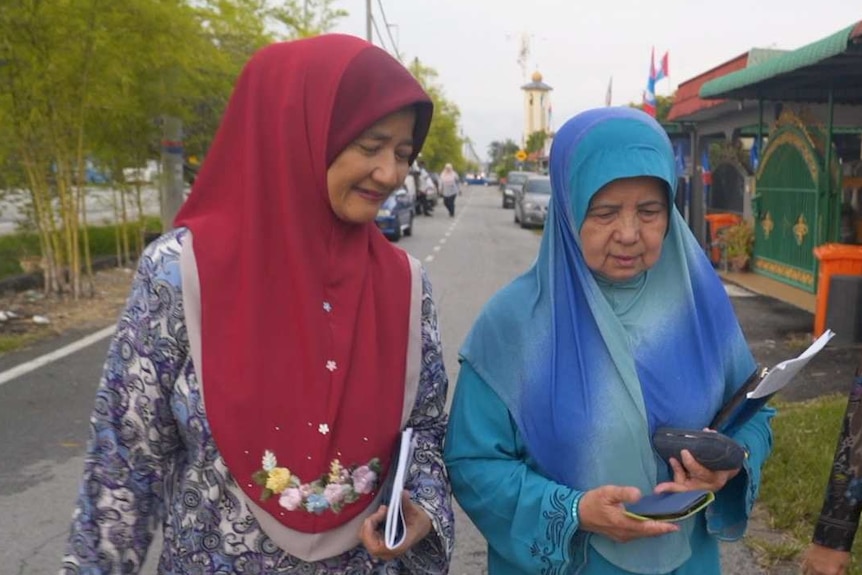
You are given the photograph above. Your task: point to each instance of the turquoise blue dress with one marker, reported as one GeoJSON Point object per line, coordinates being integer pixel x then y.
{"type": "Point", "coordinates": [566, 375]}
{"type": "Point", "coordinates": [526, 518]}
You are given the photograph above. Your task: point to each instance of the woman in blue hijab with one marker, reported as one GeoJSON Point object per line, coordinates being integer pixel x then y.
{"type": "Point", "coordinates": [620, 327]}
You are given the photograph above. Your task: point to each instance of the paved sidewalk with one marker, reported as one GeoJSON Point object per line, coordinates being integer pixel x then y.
{"type": "Point", "coordinates": [775, 289]}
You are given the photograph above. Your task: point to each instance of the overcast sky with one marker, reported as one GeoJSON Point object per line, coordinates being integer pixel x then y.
{"type": "Point", "coordinates": [578, 45]}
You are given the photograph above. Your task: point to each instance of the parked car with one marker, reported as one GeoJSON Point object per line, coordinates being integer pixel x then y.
{"type": "Point", "coordinates": [475, 180]}
{"type": "Point", "coordinates": [395, 216]}
{"type": "Point", "coordinates": [531, 207]}
{"type": "Point", "coordinates": [511, 187]}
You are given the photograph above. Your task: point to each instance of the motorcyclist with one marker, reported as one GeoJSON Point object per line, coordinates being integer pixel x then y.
{"type": "Point", "coordinates": [425, 188]}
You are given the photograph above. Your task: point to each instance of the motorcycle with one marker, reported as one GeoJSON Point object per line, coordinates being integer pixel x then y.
{"type": "Point", "coordinates": [424, 204]}
{"type": "Point", "coordinates": [424, 201]}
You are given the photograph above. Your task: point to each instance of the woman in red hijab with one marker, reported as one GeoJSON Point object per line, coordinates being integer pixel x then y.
{"type": "Point", "coordinates": [275, 345]}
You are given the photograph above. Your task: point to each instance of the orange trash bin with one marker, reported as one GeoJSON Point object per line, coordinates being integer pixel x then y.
{"type": "Point", "coordinates": [835, 259]}
{"type": "Point", "coordinates": [717, 222]}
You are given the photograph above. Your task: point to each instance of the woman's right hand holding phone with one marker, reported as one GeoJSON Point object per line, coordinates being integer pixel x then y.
{"type": "Point", "coordinates": [602, 510]}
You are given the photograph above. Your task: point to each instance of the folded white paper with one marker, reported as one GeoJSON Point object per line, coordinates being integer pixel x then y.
{"type": "Point", "coordinates": [780, 375]}
{"type": "Point", "coordinates": [395, 529]}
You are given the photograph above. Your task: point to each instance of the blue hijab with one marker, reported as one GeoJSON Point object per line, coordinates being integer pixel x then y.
{"type": "Point", "coordinates": [589, 368]}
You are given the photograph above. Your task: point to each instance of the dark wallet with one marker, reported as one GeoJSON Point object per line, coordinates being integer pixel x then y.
{"type": "Point", "coordinates": [715, 451]}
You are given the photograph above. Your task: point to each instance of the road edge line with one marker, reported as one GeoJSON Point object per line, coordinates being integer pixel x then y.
{"type": "Point", "coordinates": [43, 360]}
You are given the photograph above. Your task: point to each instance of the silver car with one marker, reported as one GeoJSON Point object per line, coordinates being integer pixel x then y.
{"type": "Point", "coordinates": [531, 204]}
{"type": "Point", "coordinates": [511, 187]}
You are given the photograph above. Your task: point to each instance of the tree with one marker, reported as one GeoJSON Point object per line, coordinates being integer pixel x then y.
{"type": "Point", "coordinates": [443, 145]}
{"type": "Point", "coordinates": [502, 156]}
{"type": "Point", "coordinates": [314, 17]}
{"type": "Point", "coordinates": [663, 106]}
{"type": "Point", "coordinates": [231, 30]}
{"type": "Point", "coordinates": [127, 129]}
{"type": "Point", "coordinates": [536, 142]}
{"type": "Point", "coordinates": [85, 83]}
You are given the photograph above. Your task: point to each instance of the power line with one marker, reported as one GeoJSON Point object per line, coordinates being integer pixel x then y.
{"type": "Point", "coordinates": [368, 20]}
{"type": "Point", "coordinates": [388, 28]}
{"type": "Point", "coordinates": [379, 36]}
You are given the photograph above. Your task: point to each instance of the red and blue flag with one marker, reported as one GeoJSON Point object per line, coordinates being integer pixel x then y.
{"type": "Point", "coordinates": [649, 99]}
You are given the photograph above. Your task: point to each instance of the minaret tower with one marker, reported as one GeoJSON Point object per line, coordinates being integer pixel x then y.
{"type": "Point", "coordinates": [537, 108]}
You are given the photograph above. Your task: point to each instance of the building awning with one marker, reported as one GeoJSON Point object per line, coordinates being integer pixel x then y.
{"type": "Point", "coordinates": [803, 75]}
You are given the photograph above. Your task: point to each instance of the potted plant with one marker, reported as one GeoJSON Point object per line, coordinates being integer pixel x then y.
{"type": "Point", "coordinates": [738, 242]}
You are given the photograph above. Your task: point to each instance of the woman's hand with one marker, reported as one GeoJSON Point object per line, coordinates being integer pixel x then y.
{"type": "Point", "coordinates": [819, 560]}
{"type": "Point", "coordinates": [690, 475]}
{"type": "Point", "coordinates": [601, 511]}
{"type": "Point", "coordinates": [417, 523]}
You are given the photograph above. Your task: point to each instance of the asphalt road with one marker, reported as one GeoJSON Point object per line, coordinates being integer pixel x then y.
{"type": "Point", "coordinates": [43, 414]}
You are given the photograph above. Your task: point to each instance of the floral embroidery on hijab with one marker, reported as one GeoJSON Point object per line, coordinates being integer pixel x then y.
{"type": "Point", "coordinates": [333, 490]}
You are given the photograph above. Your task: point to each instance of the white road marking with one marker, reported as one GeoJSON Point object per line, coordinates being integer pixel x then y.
{"type": "Point", "coordinates": [429, 259]}
{"type": "Point", "coordinates": [44, 360]}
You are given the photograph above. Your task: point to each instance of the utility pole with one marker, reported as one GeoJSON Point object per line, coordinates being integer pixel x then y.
{"type": "Point", "coordinates": [172, 170]}
{"type": "Point", "coordinates": [368, 20]}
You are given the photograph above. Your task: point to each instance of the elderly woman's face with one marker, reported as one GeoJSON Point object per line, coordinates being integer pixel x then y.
{"type": "Point", "coordinates": [371, 168]}
{"type": "Point", "coordinates": [624, 227]}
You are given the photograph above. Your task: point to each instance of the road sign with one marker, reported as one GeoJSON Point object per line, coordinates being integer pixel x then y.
{"type": "Point", "coordinates": [521, 155]}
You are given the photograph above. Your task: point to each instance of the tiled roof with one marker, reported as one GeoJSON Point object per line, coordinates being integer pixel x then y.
{"type": "Point", "coordinates": [687, 100]}
{"type": "Point", "coordinates": [803, 74]}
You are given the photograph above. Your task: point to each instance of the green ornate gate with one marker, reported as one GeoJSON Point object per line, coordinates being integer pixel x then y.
{"type": "Point", "coordinates": [795, 208]}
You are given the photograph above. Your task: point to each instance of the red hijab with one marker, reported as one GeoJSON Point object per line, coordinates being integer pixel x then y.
{"type": "Point", "coordinates": [272, 255]}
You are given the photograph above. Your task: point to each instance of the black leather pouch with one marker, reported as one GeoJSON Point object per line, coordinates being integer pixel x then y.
{"type": "Point", "coordinates": [715, 451]}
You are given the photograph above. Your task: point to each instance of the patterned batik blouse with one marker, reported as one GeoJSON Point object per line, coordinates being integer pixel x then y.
{"type": "Point", "coordinates": [151, 460]}
{"type": "Point", "coordinates": [839, 517]}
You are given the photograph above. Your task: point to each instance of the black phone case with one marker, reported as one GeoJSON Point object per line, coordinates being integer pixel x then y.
{"type": "Point", "coordinates": [715, 451]}
{"type": "Point", "coordinates": [669, 506]}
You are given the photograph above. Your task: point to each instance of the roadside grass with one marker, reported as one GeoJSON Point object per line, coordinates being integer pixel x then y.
{"type": "Point", "coordinates": [771, 554]}
{"type": "Point", "coordinates": [795, 476]}
{"type": "Point", "coordinates": [15, 247]}
{"type": "Point", "coordinates": [17, 341]}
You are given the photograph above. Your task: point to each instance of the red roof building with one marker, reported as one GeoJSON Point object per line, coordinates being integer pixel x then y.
{"type": "Point", "coordinates": [688, 103]}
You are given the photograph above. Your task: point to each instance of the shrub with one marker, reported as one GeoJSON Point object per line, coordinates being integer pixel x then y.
{"type": "Point", "coordinates": [24, 246]}
{"type": "Point", "coordinates": [738, 242]}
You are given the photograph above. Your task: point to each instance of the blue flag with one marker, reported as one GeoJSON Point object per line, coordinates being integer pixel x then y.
{"type": "Point", "coordinates": [679, 159]}
{"type": "Point", "coordinates": [754, 155]}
